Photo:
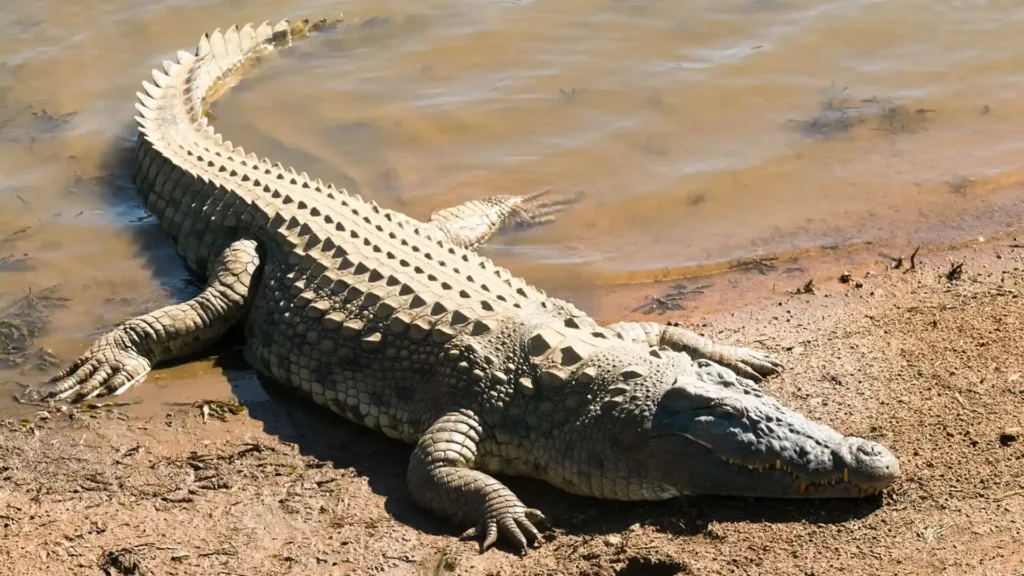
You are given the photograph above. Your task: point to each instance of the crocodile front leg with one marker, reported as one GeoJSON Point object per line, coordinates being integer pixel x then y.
{"type": "Point", "coordinates": [472, 223]}
{"type": "Point", "coordinates": [441, 478]}
{"type": "Point", "coordinates": [122, 357]}
{"type": "Point", "coordinates": [749, 363]}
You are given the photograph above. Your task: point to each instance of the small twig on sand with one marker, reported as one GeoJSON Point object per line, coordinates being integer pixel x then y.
{"type": "Point", "coordinates": [228, 550]}
{"type": "Point", "coordinates": [808, 288]}
{"type": "Point", "coordinates": [956, 272]}
{"type": "Point", "coordinates": [1010, 494]}
{"type": "Point", "coordinates": [913, 257]}
{"type": "Point", "coordinates": [961, 400]}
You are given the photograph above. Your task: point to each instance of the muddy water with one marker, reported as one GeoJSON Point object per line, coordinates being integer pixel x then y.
{"type": "Point", "coordinates": [703, 132]}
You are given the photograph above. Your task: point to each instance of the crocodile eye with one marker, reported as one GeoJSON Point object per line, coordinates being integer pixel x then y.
{"type": "Point", "coordinates": [728, 409]}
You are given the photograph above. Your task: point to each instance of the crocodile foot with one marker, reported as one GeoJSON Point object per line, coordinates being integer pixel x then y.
{"type": "Point", "coordinates": [750, 363]}
{"type": "Point", "coordinates": [110, 367]}
{"type": "Point", "coordinates": [512, 520]}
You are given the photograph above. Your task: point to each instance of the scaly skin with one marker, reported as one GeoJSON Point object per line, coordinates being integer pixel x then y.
{"type": "Point", "coordinates": [471, 224]}
{"type": "Point", "coordinates": [398, 326]}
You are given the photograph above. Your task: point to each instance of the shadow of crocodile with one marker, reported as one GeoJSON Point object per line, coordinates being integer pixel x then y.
{"type": "Point", "coordinates": [320, 434]}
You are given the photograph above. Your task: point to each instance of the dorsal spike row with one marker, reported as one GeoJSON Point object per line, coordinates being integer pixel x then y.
{"type": "Point", "coordinates": [247, 37]}
{"type": "Point", "coordinates": [145, 112]}
{"type": "Point", "coordinates": [220, 51]}
{"type": "Point", "coordinates": [233, 43]}
{"type": "Point", "coordinates": [171, 67]}
{"type": "Point", "coordinates": [282, 33]}
{"type": "Point", "coordinates": [152, 90]}
{"type": "Point", "coordinates": [264, 32]}
{"type": "Point", "coordinates": [203, 47]}
{"type": "Point", "coordinates": [146, 100]}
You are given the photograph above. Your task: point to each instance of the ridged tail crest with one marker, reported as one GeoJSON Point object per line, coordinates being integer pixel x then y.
{"type": "Point", "coordinates": [183, 169]}
{"type": "Point", "coordinates": [189, 84]}
{"type": "Point", "coordinates": [205, 192]}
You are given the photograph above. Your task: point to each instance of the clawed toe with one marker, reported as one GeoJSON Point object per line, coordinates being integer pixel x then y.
{"type": "Point", "coordinates": [518, 529]}
{"type": "Point", "coordinates": [757, 365]}
{"type": "Point", "coordinates": [103, 371]}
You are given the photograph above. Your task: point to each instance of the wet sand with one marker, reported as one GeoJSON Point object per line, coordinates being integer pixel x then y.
{"type": "Point", "coordinates": [931, 368]}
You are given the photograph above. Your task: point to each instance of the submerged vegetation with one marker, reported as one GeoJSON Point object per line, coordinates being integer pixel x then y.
{"type": "Point", "coordinates": [840, 113]}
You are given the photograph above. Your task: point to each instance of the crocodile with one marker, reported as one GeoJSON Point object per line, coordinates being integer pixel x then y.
{"type": "Point", "coordinates": [403, 327]}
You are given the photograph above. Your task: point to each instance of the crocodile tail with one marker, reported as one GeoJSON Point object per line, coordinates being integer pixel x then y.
{"type": "Point", "coordinates": [185, 87]}
{"type": "Point", "coordinates": [176, 163]}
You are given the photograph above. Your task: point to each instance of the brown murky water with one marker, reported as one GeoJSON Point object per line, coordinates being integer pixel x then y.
{"type": "Point", "coordinates": [704, 132]}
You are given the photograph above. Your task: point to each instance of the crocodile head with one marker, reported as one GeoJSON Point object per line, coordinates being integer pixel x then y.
{"type": "Point", "coordinates": [712, 433]}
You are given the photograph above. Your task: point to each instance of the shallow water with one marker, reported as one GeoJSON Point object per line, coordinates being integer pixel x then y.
{"type": "Point", "coordinates": [703, 132]}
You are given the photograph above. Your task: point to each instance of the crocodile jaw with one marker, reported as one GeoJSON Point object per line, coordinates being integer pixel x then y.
{"type": "Point", "coordinates": [735, 441]}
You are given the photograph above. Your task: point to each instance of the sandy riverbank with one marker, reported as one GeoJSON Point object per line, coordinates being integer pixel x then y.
{"type": "Point", "coordinates": [931, 368]}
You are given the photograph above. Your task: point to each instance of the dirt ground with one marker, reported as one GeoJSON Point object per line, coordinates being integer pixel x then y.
{"type": "Point", "coordinates": [931, 368]}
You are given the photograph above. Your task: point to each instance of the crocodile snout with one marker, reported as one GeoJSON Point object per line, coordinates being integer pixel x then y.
{"type": "Point", "coordinates": [870, 464]}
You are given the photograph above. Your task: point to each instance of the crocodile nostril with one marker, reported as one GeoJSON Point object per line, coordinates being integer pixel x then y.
{"type": "Point", "coordinates": [869, 449]}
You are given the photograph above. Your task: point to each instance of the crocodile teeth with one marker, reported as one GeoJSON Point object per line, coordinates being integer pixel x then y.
{"type": "Point", "coordinates": [846, 474]}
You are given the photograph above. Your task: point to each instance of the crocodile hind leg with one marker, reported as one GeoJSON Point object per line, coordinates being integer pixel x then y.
{"type": "Point", "coordinates": [441, 478]}
{"type": "Point", "coordinates": [747, 362]}
{"type": "Point", "coordinates": [123, 356]}
{"type": "Point", "coordinates": [472, 223]}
